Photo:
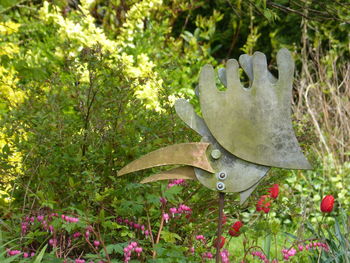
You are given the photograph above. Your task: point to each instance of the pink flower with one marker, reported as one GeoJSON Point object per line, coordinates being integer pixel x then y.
{"type": "Point", "coordinates": [173, 211]}
{"type": "Point", "coordinates": [163, 200]}
{"type": "Point", "coordinates": [13, 252]}
{"type": "Point", "coordinates": [184, 208]}
{"type": "Point", "coordinates": [25, 255]}
{"type": "Point", "coordinates": [53, 242]}
{"type": "Point", "coordinates": [76, 234]}
{"type": "Point", "coordinates": [40, 218]}
{"type": "Point", "coordinates": [176, 182]}
{"type": "Point", "coordinates": [200, 237]}
{"type": "Point", "coordinates": [207, 255]}
{"type": "Point", "coordinates": [166, 217]}
{"type": "Point", "coordinates": [133, 244]}
{"type": "Point", "coordinates": [138, 250]}
{"type": "Point", "coordinates": [225, 256]}
{"type": "Point", "coordinates": [260, 255]}
{"type": "Point", "coordinates": [96, 243]}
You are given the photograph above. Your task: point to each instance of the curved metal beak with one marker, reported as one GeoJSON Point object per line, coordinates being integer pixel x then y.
{"type": "Point", "coordinates": [184, 172]}
{"type": "Point", "coordinates": [192, 154]}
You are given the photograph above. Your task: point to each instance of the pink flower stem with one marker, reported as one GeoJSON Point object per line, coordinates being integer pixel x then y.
{"type": "Point", "coordinates": [150, 232]}
{"type": "Point", "coordinates": [159, 231]}
{"type": "Point", "coordinates": [98, 235]}
{"type": "Point", "coordinates": [250, 248]}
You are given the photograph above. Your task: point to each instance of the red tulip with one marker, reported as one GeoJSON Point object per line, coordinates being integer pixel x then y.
{"type": "Point", "coordinates": [222, 242]}
{"type": "Point", "coordinates": [274, 191]}
{"type": "Point", "coordinates": [237, 226]}
{"type": "Point", "coordinates": [234, 230]}
{"type": "Point", "coordinates": [263, 204]}
{"type": "Point", "coordinates": [327, 204]}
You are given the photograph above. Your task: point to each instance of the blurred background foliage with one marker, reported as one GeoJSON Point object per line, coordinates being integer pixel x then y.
{"type": "Point", "coordinates": [87, 86]}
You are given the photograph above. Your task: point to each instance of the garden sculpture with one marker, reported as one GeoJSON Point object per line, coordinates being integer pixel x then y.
{"type": "Point", "coordinates": [245, 131]}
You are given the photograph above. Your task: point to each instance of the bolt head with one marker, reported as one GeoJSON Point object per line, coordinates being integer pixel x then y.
{"type": "Point", "coordinates": [215, 154]}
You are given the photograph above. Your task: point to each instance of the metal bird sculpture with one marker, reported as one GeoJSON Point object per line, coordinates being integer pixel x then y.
{"type": "Point", "coordinates": [245, 131]}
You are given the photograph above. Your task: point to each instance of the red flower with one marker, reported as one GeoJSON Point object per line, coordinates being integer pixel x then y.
{"type": "Point", "coordinates": [327, 204]}
{"type": "Point", "coordinates": [234, 230]}
{"type": "Point", "coordinates": [274, 191]}
{"type": "Point", "coordinates": [222, 242]}
{"type": "Point", "coordinates": [237, 226]}
{"type": "Point", "coordinates": [263, 204]}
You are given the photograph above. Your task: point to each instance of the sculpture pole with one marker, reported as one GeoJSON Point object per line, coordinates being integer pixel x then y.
{"type": "Point", "coordinates": [221, 214]}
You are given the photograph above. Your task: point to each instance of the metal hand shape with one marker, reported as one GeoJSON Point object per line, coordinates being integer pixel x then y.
{"type": "Point", "coordinates": [254, 124]}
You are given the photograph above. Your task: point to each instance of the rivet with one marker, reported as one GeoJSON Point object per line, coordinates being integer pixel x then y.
{"type": "Point", "coordinates": [222, 176]}
{"type": "Point", "coordinates": [220, 186]}
{"type": "Point", "coordinates": [216, 154]}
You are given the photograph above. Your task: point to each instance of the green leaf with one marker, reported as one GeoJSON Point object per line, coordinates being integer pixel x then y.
{"type": "Point", "coordinates": [267, 245]}
{"type": "Point", "coordinates": [12, 258]}
{"type": "Point", "coordinates": [41, 254]}
{"type": "Point", "coordinates": [170, 237]}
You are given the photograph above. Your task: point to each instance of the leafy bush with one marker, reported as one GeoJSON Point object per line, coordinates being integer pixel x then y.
{"type": "Point", "coordinates": [88, 86]}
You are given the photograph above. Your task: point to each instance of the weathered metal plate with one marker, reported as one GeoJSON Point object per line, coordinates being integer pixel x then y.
{"type": "Point", "coordinates": [246, 63]}
{"type": "Point", "coordinates": [241, 175]}
{"type": "Point", "coordinates": [254, 124]}
{"type": "Point", "coordinates": [186, 112]}
{"type": "Point", "coordinates": [185, 172]}
{"type": "Point", "coordinates": [245, 194]}
{"type": "Point", "coordinates": [193, 154]}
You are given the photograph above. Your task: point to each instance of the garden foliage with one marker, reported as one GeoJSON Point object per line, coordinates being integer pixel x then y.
{"type": "Point", "coordinates": [87, 86]}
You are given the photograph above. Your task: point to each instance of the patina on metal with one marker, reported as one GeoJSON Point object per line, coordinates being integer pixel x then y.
{"type": "Point", "coordinates": [253, 123]}
{"type": "Point", "coordinates": [193, 154]}
{"type": "Point", "coordinates": [184, 172]}
{"type": "Point", "coordinates": [240, 175]}
{"type": "Point", "coordinates": [244, 131]}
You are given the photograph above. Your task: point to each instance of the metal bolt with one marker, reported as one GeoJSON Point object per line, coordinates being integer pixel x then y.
{"type": "Point", "coordinates": [216, 154]}
{"type": "Point", "coordinates": [220, 186]}
{"type": "Point", "coordinates": [222, 176]}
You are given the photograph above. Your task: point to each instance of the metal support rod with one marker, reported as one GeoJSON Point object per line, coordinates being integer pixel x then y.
{"type": "Point", "coordinates": [221, 214]}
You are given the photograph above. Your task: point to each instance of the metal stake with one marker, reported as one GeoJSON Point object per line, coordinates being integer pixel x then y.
{"type": "Point", "coordinates": [221, 213]}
